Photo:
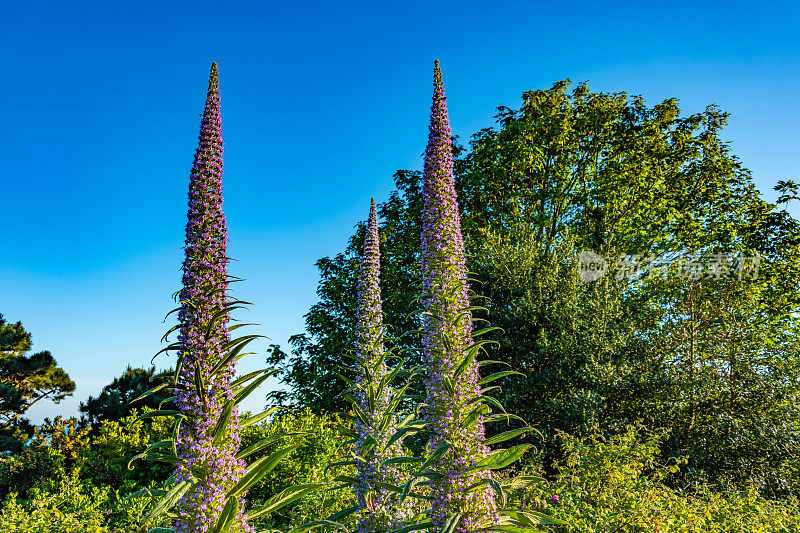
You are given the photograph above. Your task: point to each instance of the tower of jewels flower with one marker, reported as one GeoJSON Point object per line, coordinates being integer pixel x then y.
{"type": "Point", "coordinates": [379, 509]}
{"type": "Point", "coordinates": [447, 336]}
{"type": "Point", "coordinates": [201, 395]}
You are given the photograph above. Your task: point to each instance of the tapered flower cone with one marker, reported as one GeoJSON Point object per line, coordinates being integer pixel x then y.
{"type": "Point", "coordinates": [205, 282]}
{"type": "Point", "coordinates": [447, 336]}
{"type": "Point", "coordinates": [379, 511]}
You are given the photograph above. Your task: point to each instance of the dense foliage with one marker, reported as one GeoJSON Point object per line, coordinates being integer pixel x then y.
{"type": "Point", "coordinates": [713, 361]}
{"type": "Point", "coordinates": [72, 477]}
{"type": "Point", "coordinates": [601, 484]}
{"type": "Point", "coordinates": [115, 400]}
{"type": "Point", "coordinates": [616, 484]}
{"type": "Point", "coordinates": [24, 381]}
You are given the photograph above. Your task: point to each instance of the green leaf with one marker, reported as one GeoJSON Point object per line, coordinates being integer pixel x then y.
{"type": "Point", "coordinates": [369, 443]}
{"type": "Point", "coordinates": [473, 416]}
{"type": "Point", "coordinates": [348, 381]}
{"type": "Point", "coordinates": [157, 413]}
{"type": "Point", "coordinates": [286, 497]}
{"type": "Point", "coordinates": [411, 429]}
{"type": "Point", "coordinates": [448, 384]}
{"type": "Point", "coordinates": [505, 416]}
{"type": "Point", "coordinates": [472, 352]}
{"type": "Point", "coordinates": [414, 527]}
{"type": "Point", "coordinates": [498, 490]}
{"type": "Point", "coordinates": [530, 518]}
{"type": "Point", "coordinates": [221, 429]}
{"type": "Point", "coordinates": [148, 455]}
{"type": "Point", "coordinates": [260, 467]}
{"type": "Point", "coordinates": [437, 454]}
{"type": "Point", "coordinates": [339, 463]}
{"type": "Point", "coordinates": [521, 482]}
{"type": "Point", "coordinates": [227, 516]}
{"type": "Point", "coordinates": [247, 377]}
{"type": "Point", "coordinates": [200, 386]}
{"type": "Point", "coordinates": [485, 331]}
{"type": "Point", "coordinates": [166, 400]}
{"type": "Point", "coordinates": [451, 523]}
{"type": "Point", "coordinates": [151, 493]}
{"type": "Point", "coordinates": [233, 355]}
{"type": "Point", "coordinates": [502, 458]}
{"type": "Point", "coordinates": [170, 499]}
{"type": "Point", "coordinates": [402, 460]}
{"type": "Point", "coordinates": [245, 392]}
{"type": "Point", "coordinates": [507, 435]}
{"type": "Point", "coordinates": [336, 517]}
{"type": "Point", "coordinates": [344, 430]}
{"type": "Point", "coordinates": [362, 416]}
{"type": "Point", "coordinates": [498, 375]}
{"type": "Point", "coordinates": [266, 441]}
{"type": "Point", "coordinates": [388, 486]}
{"type": "Point", "coordinates": [255, 419]}
{"type": "Point", "coordinates": [148, 393]}
{"type": "Point", "coordinates": [492, 362]}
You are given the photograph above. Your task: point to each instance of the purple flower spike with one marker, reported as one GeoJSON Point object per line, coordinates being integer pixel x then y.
{"type": "Point", "coordinates": [379, 511]}
{"type": "Point", "coordinates": [447, 337]}
{"type": "Point", "coordinates": [205, 282]}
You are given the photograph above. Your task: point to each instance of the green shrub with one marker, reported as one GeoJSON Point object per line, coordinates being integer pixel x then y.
{"type": "Point", "coordinates": [615, 485]}
{"type": "Point", "coordinates": [57, 448]}
{"type": "Point", "coordinates": [321, 446]}
{"type": "Point", "coordinates": [71, 505]}
{"type": "Point", "coordinates": [20, 473]}
{"type": "Point", "coordinates": [115, 444]}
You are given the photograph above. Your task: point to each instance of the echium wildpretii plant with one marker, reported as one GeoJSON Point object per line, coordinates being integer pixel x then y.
{"type": "Point", "coordinates": [465, 496]}
{"type": "Point", "coordinates": [382, 411]}
{"type": "Point", "coordinates": [204, 294]}
{"type": "Point", "coordinates": [211, 477]}
{"type": "Point", "coordinates": [376, 403]}
{"type": "Point", "coordinates": [451, 385]}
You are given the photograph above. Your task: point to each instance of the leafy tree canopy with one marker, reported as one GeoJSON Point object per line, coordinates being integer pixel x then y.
{"type": "Point", "coordinates": [26, 379]}
{"type": "Point", "coordinates": [114, 401]}
{"type": "Point", "coordinates": [577, 170]}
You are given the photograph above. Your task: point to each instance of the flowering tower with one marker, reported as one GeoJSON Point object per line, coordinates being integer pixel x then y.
{"type": "Point", "coordinates": [206, 455]}
{"type": "Point", "coordinates": [379, 509]}
{"type": "Point", "coordinates": [452, 381]}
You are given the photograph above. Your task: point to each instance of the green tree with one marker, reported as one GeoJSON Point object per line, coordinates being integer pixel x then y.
{"type": "Point", "coordinates": [25, 380]}
{"type": "Point", "coordinates": [115, 401]}
{"type": "Point", "coordinates": [576, 170]}
{"type": "Point", "coordinates": [734, 409]}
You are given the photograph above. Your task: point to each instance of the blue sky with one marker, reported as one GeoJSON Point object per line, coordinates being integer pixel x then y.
{"type": "Point", "coordinates": [321, 103]}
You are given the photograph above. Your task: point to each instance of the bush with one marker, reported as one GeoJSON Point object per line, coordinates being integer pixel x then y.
{"type": "Point", "coordinates": [57, 449]}
{"type": "Point", "coordinates": [321, 446]}
{"type": "Point", "coordinates": [70, 505]}
{"type": "Point", "coordinates": [615, 484]}
{"type": "Point", "coordinates": [115, 444]}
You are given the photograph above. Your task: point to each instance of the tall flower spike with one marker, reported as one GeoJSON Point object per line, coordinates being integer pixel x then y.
{"type": "Point", "coordinates": [447, 336]}
{"type": "Point", "coordinates": [379, 510]}
{"type": "Point", "coordinates": [202, 395]}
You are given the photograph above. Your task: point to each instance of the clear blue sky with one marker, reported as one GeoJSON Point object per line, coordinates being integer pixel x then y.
{"type": "Point", "coordinates": [321, 103]}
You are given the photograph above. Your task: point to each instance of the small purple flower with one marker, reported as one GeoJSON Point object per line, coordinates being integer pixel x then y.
{"type": "Point", "coordinates": [555, 498]}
